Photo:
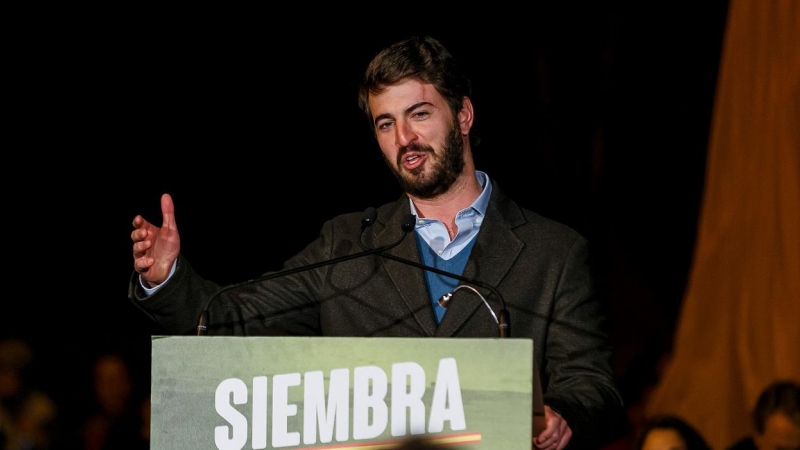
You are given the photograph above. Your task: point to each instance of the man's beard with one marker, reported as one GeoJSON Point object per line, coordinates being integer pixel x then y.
{"type": "Point", "coordinates": [442, 173]}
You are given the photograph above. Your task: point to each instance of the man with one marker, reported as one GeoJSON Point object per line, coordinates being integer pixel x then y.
{"type": "Point", "coordinates": [418, 104]}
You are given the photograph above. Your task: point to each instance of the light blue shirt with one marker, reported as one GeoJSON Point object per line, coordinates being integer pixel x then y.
{"type": "Point", "coordinates": [468, 222]}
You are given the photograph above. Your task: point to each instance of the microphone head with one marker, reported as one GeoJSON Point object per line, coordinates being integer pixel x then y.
{"type": "Point", "coordinates": [444, 301]}
{"type": "Point", "coordinates": [408, 223]}
{"type": "Point", "coordinates": [370, 215]}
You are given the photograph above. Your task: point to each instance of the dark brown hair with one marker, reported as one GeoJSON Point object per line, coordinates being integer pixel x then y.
{"type": "Point", "coordinates": [420, 57]}
{"type": "Point", "coordinates": [693, 439]}
{"type": "Point", "coordinates": [781, 396]}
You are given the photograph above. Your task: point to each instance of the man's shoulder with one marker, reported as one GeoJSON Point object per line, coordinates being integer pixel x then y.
{"type": "Point", "coordinates": [389, 212]}
{"type": "Point", "coordinates": [550, 233]}
{"type": "Point", "coordinates": [526, 222]}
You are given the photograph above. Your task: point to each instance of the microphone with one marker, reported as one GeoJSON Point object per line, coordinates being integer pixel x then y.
{"type": "Point", "coordinates": [503, 320]}
{"type": "Point", "coordinates": [503, 323]}
{"type": "Point", "coordinates": [368, 219]}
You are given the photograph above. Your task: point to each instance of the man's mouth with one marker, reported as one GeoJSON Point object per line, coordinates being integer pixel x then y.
{"type": "Point", "coordinates": [413, 160]}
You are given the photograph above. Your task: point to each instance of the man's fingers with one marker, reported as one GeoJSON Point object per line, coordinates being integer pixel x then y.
{"type": "Point", "coordinates": [140, 248]}
{"type": "Point", "coordinates": [565, 438]}
{"type": "Point", "coordinates": [556, 434]}
{"type": "Point", "coordinates": [142, 265]}
{"type": "Point", "coordinates": [167, 212]}
{"type": "Point", "coordinates": [139, 235]}
{"type": "Point", "coordinates": [548, 439]}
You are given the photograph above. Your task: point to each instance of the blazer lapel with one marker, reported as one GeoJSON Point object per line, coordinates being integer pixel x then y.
{"type": "Point", "coordinates": [493, 255]}
{"type": "Point", "coordinates": [409, 281]}
{"type": "Point", "coordinates": [497, 247]}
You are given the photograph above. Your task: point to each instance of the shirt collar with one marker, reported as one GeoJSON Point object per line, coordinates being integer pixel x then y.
{"type": "Point", "coordinates": [479, 205]}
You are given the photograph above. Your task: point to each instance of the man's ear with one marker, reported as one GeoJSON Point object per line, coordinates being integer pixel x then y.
{"type": "Point", "coordinates": [466, 116]}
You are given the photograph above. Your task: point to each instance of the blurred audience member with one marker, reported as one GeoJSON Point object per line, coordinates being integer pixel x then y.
{"type": "Point", "coordinates": [27, 415]}
{"type": "Point", "coordinates": [776, 419]}
{"type": "Point", "coordinates": [669, 432]}
{"type": "Point", "coordinates": [118, 418]}
{"type": "Point", "coordinates": [417, 443]}
{"type": "Point", "coordinates": [637, 384]}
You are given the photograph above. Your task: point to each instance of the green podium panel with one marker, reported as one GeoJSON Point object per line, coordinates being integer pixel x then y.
{"type": "Point", "coordinates": [340, 393]}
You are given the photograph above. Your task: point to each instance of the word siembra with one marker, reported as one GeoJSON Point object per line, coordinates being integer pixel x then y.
{"type": "Point", "coordinates": [369, 389]}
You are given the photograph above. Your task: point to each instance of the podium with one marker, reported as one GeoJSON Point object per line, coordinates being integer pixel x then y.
{"type": "Point", "coordinates": [341, 393]}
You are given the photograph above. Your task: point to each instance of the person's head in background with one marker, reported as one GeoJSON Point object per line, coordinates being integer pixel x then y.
{"type": "Point", "coordinates": [112, 383]}
{"type": "Point", "coordinates": [776, 417]}
{"type": "Point", "coordinates": [28, 416]}
{"type": "Point", "coordinates": [417, 443]}
{"type": "Point", "coordinates": [669, 432]}
{"type": "Point", "coordinates": [15, 360]}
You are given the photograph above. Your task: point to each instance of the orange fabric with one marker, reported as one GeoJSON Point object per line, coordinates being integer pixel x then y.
{"type": "Point", "coordinates": [739, 327]}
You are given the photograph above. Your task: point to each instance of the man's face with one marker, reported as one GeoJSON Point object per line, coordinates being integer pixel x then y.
{"type": "Point", "coordinates": [780, 433]}
{"type": "Point", "coordinates": [421, 141]}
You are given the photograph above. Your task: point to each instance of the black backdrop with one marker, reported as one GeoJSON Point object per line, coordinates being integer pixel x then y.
{"type": "Point", "coordinates": [597, 116]}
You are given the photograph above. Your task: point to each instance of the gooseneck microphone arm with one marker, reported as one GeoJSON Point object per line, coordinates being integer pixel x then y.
{"type": "Point", "coordinates": [368, 220]}
{"type": "Point", "coordinates": [504, 320]}
{"type": "Point", "coordinates": [444, 301]}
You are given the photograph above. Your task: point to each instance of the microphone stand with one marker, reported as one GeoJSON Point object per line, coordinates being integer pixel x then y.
{"type": "Point", "coordinates": [503, 322]}
{"type": "Point", "coordinates": [444, 301]}
{"type": "Point", "coordinates": [503, 319]}
{"type": "Point", "coordinates": [366, 221]}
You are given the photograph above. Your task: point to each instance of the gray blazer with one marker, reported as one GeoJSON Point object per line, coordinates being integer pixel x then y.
{"type": "Point", "coordinates": [539, 266]}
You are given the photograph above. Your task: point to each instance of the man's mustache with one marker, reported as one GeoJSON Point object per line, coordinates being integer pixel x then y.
{"type": "Point", "coordinates": [412, 148]}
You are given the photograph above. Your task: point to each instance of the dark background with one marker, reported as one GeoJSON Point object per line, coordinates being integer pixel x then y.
{"type": "Point", "coordinates": [594, 114]}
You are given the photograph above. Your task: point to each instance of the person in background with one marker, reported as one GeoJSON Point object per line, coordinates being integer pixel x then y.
{"type": "Point", "coordinates": [417, 443]}
{"type": "Point", "coordinates": [418, 103]}
{"type": "Point", "coordinates": [670, 432]}
{"type": "Point", "coordinates": [28, 416]}
{"type": "Point", "coordinates": [114, 419]}
{"type": "Point", "coordinates": [637, 385]}
{"type": "Point", "coordinates": [776, 419]}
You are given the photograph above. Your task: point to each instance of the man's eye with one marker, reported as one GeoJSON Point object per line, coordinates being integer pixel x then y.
{"type": "Point", "coordinates": [384, 125]}
{"type": "Point", "coordinates": [420, 114]}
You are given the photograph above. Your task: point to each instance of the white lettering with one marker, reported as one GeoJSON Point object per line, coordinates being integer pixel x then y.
{"type": "Point", "coordinates": [326, 417]}
{"type": "Point", "coordinates": [408, 387]}
{"type": "Point", "coordinates": [259, 412]}
{"type": "Point", "coordinates": [369, 394]}
{"type": "Point", "coordinates": [447, 403]}
{"type": "Point", "coordinates": [338, 410]}
{"type": "Point", "coordinates": [235, 437]}
{"type": "Point", "coordinates": [282, 410]}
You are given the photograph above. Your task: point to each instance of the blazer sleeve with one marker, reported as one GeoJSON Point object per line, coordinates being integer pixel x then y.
{"type": "Point", "coordinates": [578, 355]}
